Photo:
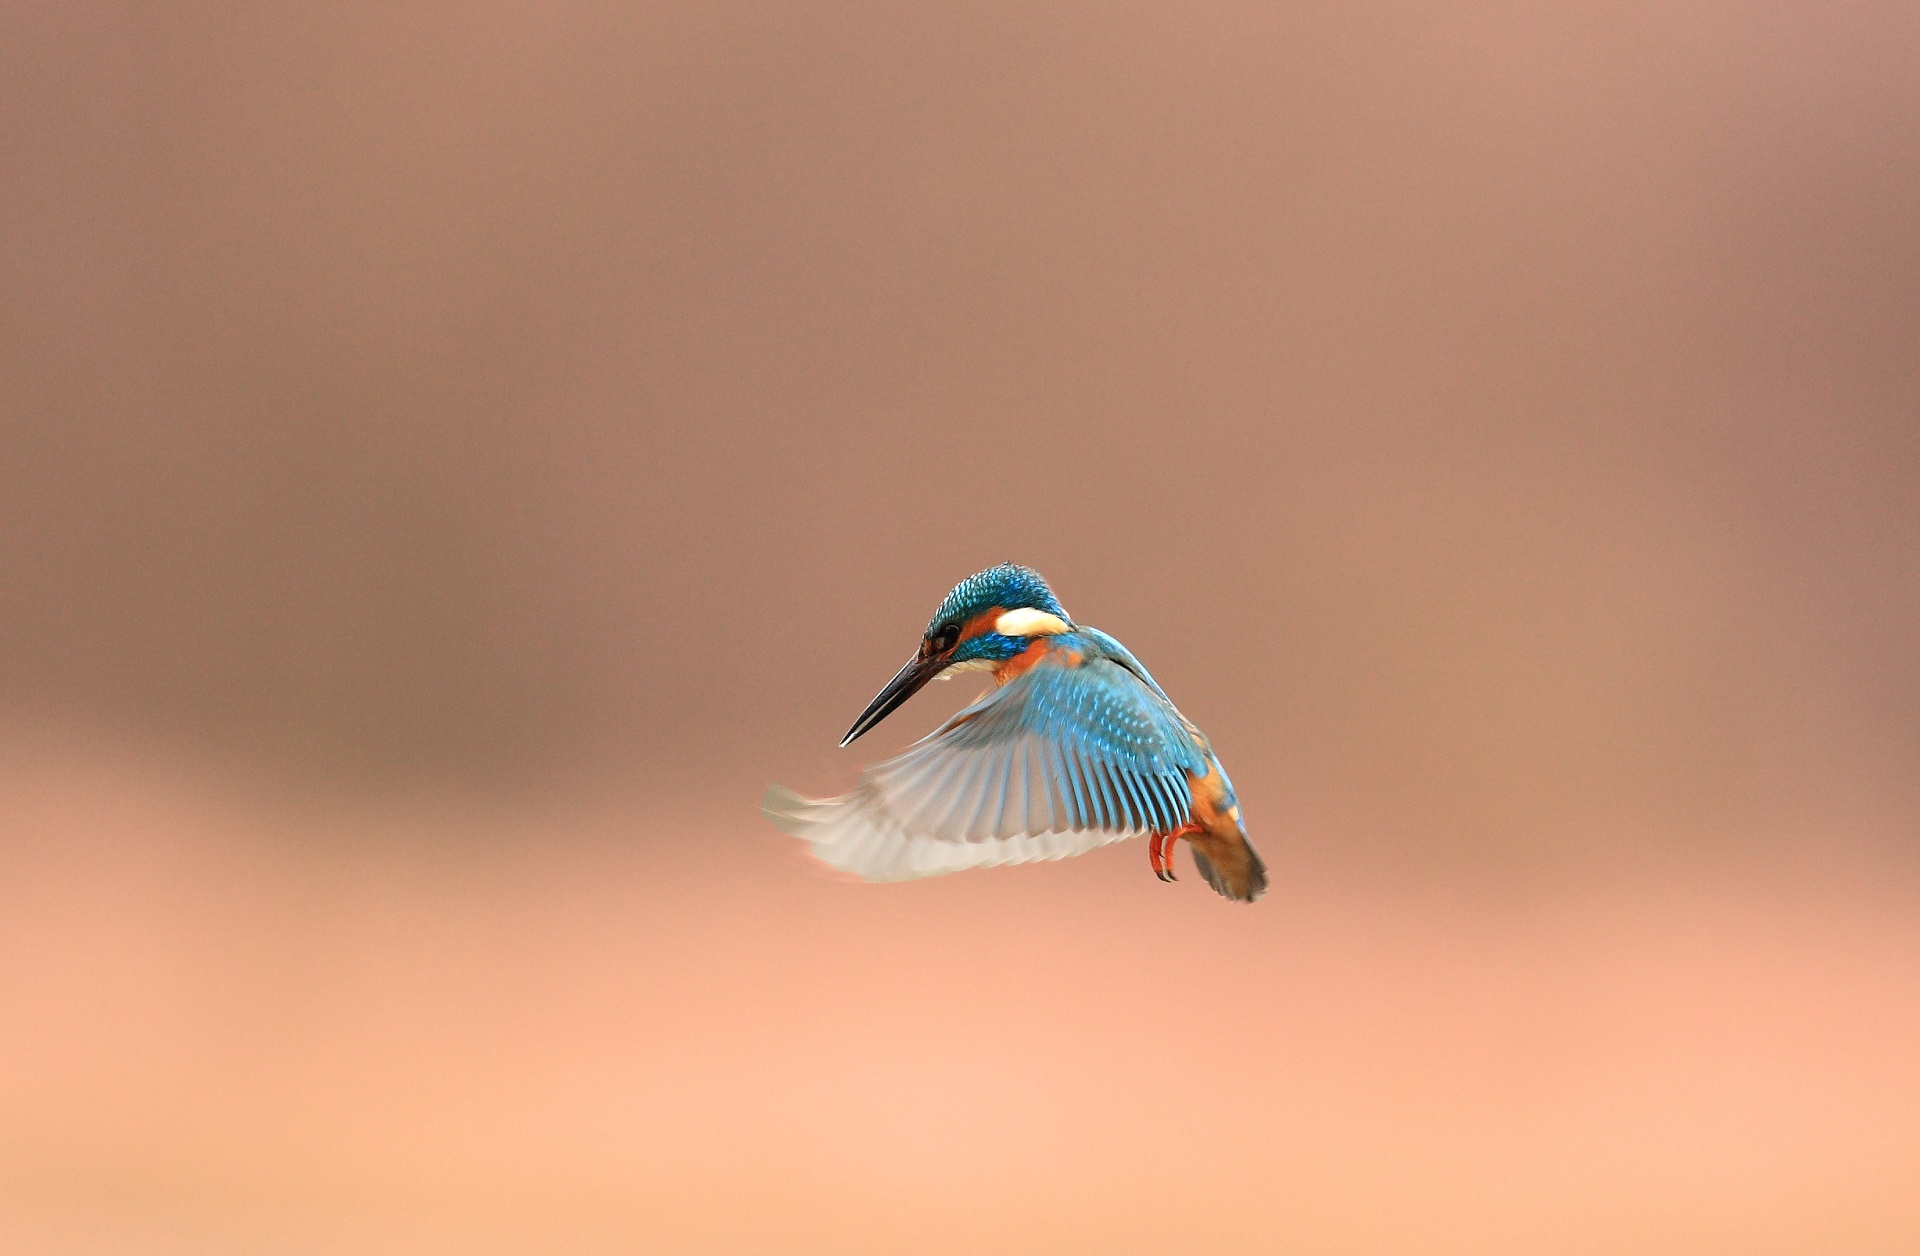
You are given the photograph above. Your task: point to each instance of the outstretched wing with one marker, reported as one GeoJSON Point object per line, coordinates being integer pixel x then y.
{"type": "Point", "coordinates": [1060, 760]}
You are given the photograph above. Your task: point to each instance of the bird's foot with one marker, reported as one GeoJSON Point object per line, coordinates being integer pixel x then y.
{"type": "Point", "coordinates": [1160, 847]}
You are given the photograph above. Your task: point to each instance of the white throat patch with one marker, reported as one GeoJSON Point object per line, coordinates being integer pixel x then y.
{"type": "Point", "coordinates": [971, 665]}
{"type": "Point", "coordinates": [1027, 622]}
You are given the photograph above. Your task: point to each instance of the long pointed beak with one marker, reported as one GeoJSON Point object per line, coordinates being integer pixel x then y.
{"type": "Point", "coordinates": [904, 685]}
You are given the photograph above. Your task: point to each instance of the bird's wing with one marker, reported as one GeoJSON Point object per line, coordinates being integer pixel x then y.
{"type": "Point", "coordinates": [1060, 760]}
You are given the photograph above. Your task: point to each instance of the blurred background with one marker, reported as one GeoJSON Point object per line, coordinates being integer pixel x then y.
{"type": "Point", "coordinates": [452, 457]}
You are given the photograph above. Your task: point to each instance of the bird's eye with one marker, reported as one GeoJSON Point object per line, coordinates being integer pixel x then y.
{"type": "Point", "coordinates": [946, 638]}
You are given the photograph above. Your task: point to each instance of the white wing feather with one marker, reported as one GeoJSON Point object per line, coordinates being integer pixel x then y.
{"type": "Point", "coordinates": [1054, 764]}
{"type": "Point", "coordinates": [850, 834]}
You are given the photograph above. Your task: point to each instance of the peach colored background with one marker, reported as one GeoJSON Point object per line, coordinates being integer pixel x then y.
{"type": "Point", "coordinates": [453, 456]}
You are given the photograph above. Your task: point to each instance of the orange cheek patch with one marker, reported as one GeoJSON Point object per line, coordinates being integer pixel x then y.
{"type": "Point", "coordinates": [982, 623]}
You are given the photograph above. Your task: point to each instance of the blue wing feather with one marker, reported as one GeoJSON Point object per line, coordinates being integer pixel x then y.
{"type": "Point", "coordinates": [1062, 759]}
{"type": "Point", "coordinates": [1061, 749]}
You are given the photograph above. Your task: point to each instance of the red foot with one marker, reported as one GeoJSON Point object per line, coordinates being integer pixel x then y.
{"type": "Point", "coordinates": [1160, 848]}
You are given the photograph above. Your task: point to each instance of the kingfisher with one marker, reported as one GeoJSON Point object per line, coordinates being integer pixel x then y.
{"type": "Point", "coordinates": [1074, 747]}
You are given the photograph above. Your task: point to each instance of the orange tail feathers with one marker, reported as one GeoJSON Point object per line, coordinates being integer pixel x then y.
{"type": "Point", "coordinates": [1230, 864]}
{"type": "Point", "coordinates": [1221, 851]}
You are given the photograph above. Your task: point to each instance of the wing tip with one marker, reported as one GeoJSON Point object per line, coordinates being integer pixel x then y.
{"type": "Point", "coordinates": [786, 810]}
{"type": "Point", "coordinates": [841, 834]}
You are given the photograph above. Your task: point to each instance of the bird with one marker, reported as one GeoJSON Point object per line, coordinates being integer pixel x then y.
{"type": "Point", "coordinates": [1076, 746]}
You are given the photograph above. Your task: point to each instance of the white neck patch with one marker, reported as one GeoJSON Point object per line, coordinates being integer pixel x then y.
{"type": "Point", "coordinates": [1027, 622]}
{"type": "Point", "coordinates": [971, 665]}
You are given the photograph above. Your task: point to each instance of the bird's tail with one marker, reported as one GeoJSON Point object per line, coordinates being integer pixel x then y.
{"type": "Point", "coordinates": [1233, 869]}
{"type": "Point", "coordinates": [1226, 859]}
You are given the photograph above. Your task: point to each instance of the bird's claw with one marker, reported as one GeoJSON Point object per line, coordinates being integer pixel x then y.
{"type": "Point", "coordinates": [1160, 855]}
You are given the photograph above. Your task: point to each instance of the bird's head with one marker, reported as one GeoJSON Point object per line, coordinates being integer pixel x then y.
{"type": "Point", "coordinates": [987, 619]}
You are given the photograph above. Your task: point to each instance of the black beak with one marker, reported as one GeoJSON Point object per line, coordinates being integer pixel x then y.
{"type": "Point", "coordinates": [908, 682]}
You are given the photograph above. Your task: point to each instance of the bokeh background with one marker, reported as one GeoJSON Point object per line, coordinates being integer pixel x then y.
{"type": "Point", "coordinates": [453, 456]}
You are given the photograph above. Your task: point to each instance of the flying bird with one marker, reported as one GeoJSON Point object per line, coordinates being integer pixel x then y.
{"type": "Point", "coordinates": [1074, 747]}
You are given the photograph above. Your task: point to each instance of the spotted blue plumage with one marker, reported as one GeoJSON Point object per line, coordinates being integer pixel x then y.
{"type": "Point", "coordinates": [1081, 750]}
{"type": "Point", "coordinates": [1086, 746]}
{"type": "Point", "coordinates": [1078, 746]}
{"type": "Point", "coordinates": [1009, 585]}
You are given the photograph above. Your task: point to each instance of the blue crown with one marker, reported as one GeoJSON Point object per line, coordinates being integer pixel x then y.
{"type": "Point", "coordinates": [1009, 586]}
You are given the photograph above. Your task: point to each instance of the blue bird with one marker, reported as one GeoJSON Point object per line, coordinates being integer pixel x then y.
{"type": "Point", "coordinates": [1075, 746]}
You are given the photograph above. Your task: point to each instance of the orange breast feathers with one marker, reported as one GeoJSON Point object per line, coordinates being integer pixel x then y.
{"type": "Point", "coordinates": [1037, 649]}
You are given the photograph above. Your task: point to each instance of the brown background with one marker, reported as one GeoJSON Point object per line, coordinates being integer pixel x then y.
{"type": "Point", "coordinates": [452, 456]}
